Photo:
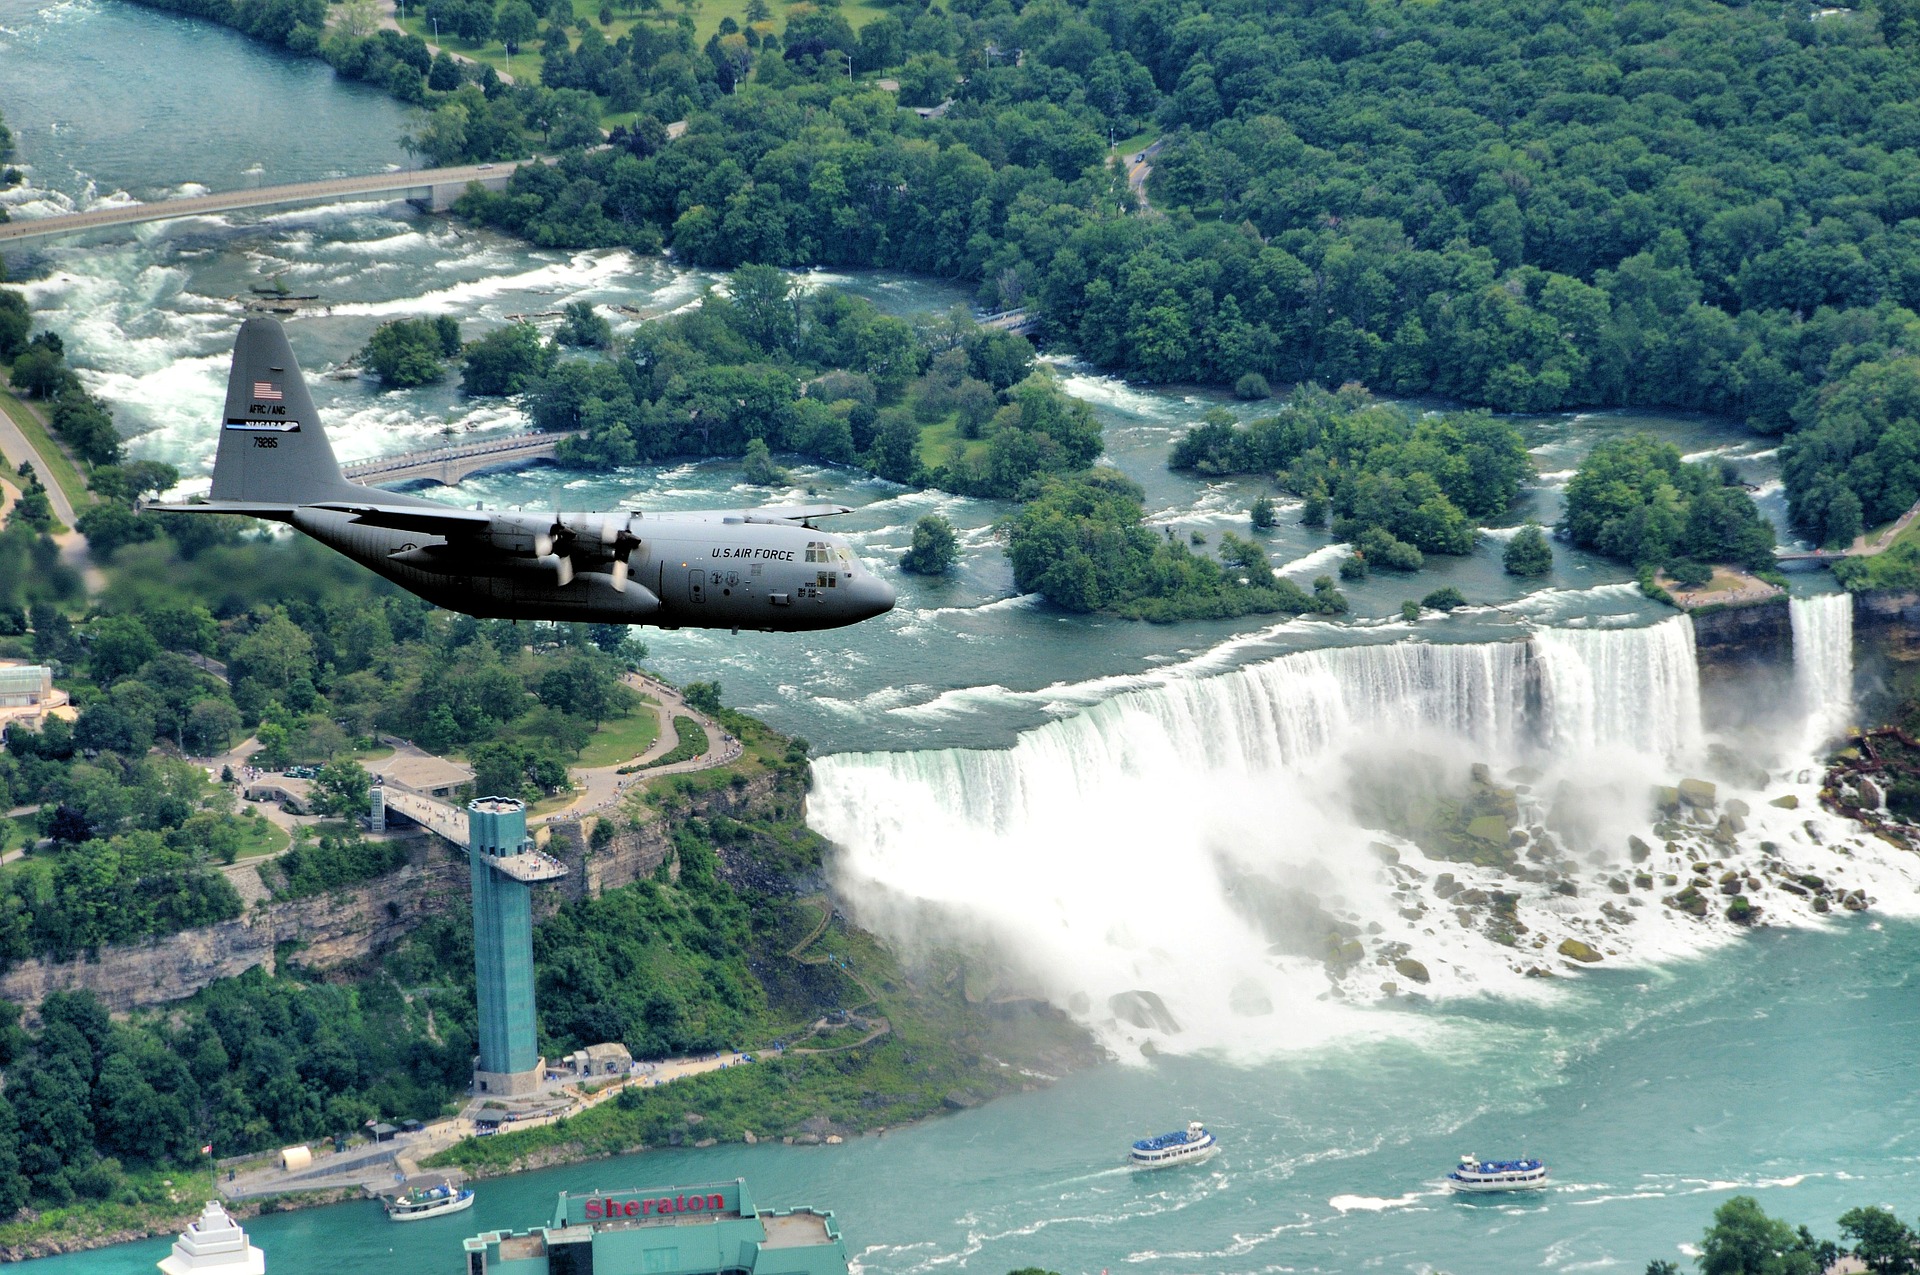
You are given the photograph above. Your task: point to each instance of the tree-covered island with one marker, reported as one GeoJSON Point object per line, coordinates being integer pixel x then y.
{"type": "Point", "coordinates": [1397, 482]}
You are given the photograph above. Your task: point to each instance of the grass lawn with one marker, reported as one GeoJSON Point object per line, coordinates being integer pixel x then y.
{"type": "Point", "coordinates": [941, 444]}
{"type": "Point", "coordinates": [621, 739]}
{"type": "Point", "coordinates": [261, 836]}
{"type": "Point", "coordinates": [60, 468]}
{"type": "Point", "coordinates": [1128, 147]}
{"type": "Point", "coordinates": [22, 830]}
{"type": "Point", "coordinates": [1910, 534]}
{"type": "Point", "coordinates": [379, 752]}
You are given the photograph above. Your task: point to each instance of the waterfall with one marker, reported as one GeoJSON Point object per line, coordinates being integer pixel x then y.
{"type": "Point", "coordinates": [1637, 689]}
{"type": "Point", "coordinates": [1823, 663]}
{"type": "Point", "coordinates": [1117, 850]}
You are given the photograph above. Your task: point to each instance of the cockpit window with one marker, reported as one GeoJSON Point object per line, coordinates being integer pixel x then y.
{"type": "Point", "coordinates": [843, 554]}
{"type": "Point", "coordinates": [819, 551]}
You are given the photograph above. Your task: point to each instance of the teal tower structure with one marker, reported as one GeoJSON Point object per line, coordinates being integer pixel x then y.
{"type": "Point", "coordinates": [505, 866]}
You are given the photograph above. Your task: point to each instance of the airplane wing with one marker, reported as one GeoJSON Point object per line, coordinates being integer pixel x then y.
{"type": "Point", "coordinates": [444, 521]}
{"type": "Point", "coordinates": [440, 520]}
{"type": "Point", "coordinates": [795, 513]}
{"type": "Point", "coordinates": [244, 508]}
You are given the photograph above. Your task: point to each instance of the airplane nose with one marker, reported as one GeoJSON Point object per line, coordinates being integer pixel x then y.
{"type": "Point", "coordinates": [870, 595]}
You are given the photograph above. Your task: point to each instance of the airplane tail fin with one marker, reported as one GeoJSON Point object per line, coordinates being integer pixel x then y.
{"type": "Point", "coordinates": [272, 446]}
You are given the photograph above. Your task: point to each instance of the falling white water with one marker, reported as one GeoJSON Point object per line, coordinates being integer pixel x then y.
{"type": "Point", "coordinates": [1823, 663]}
{"type": "Point", "coordinates": [1191, 840]}
{"type": "Point", "coordinates": [1633, 689]}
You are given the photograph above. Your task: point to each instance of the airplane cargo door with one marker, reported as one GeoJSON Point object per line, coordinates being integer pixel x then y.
{"type": "Point", "coordinates": [696, 586]}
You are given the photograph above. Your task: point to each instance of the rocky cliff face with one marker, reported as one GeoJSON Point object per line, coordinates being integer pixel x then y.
{"type": "Point", "coordinates": [324, 930]}
{"type": "Point", "coordinates": [1745, 656]}
{"type": "Point", "coordinates": [633, 852]}
{"type": "Point", "coordinates": [349, 925]}
{"type": "Point", "coordinates": [1889, 621]}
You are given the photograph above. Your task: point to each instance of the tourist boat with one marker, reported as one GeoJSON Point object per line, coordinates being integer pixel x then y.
{"type": "Point", "coordinates": [1178, 1147]}
{"type": "Point", "coordinates": [1497, 1175]}
{"type": "Point", "coordinates": [433, 1201]}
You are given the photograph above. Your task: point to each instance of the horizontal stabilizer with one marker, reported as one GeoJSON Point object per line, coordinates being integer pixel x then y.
{"type": "Point", "coordinates": [796, 513]}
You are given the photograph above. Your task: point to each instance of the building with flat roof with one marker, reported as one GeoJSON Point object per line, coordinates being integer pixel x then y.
{"type": "Point", "coordinates": [706, 1230]}
{"type": "Point", "coordinates": [600, 1060]}
{"type": "Point", "coordinates": [27, 694]}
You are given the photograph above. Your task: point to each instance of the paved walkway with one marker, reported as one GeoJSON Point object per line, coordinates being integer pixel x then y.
{"type": "Point", "coordinates": [603, 786]}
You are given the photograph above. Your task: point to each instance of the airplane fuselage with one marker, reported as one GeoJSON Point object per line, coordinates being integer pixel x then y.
{"type": "Point", "coordinates": [764, 568]}
{"type": "Point", "coordinates": [704, 570]}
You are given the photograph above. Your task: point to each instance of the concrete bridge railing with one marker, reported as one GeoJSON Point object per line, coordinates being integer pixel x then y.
{"type": "Point", "coordinates": [431, 189]}
{"type": "Point", "coordinates": [448, 465]}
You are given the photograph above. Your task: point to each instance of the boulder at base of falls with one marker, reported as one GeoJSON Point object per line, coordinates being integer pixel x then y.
{"type": "Point", "coordinates": [1639, 850]}
{"type": "Point", "coordinates": [1578, 951]}
{"type": "Point", "coordinates": [1698, 793]}
{"type": "Point", "coordinates": [1408, 968]}
{"type": "Point", "coordinates": [1491, 829]}
{"type": "Point", "coordinates": [1144, 1010]}
{"type": "Point", "coordinates": [1743, 911]}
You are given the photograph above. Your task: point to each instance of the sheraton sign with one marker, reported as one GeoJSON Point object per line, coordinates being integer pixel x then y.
{"type": "Point", "coordinates": [638, 1204]}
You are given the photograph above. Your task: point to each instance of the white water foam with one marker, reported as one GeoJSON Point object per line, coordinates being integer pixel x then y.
{"type": "Point", "coordinates": [1167, 863]}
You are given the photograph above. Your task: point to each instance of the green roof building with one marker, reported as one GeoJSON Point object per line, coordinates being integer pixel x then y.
{"type": "Point", "coordinates": [705, 1230]}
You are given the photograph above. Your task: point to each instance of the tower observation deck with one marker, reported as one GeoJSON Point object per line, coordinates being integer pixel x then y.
{"type": "Point", "coordinates": [505, 866]}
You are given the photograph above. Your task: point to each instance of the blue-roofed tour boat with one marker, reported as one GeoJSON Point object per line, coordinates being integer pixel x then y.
{"type": "Point", "coordinates": [1497, 1175]}
{"type": "Point", "coordinates": [1179, 1147]}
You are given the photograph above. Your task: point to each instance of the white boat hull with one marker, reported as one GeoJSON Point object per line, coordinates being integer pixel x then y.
{"type": "Point", "coordinates": [1492, 1188]}
{"type": "Point", "coordinates": [1180, 1156]}
{"type": "Point", "coordinates": [457, 1205]}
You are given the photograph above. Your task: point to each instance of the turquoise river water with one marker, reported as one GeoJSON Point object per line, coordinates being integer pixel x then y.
{"type": "Point", "coordinates": [1086, 798]}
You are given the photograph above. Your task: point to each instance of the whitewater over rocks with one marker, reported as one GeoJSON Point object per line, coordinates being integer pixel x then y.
{"type": "Point", "coordinates": [1252, 861]}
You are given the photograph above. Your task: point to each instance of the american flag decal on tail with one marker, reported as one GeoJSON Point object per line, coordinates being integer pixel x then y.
{"type": "Point", "coordinates": [267, 392]}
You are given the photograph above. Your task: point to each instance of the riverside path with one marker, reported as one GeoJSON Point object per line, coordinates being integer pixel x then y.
{"type": "Point", "coordinates": [431, 188]}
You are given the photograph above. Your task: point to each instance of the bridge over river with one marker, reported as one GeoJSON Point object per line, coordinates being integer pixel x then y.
{"type": "Point", "coordinates": [432, 189]}
{"type": "Point", "coordinates": [449, 465]}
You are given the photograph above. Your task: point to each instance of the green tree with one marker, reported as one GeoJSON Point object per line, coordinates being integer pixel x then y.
{"type": "Point", "coordinates": [405, 353]}
{"type": "Point", "coordinates": [935, 548]}
{"type": "Point", "coordinates": [581, 326]}
{"type": "Point", "coordinates": [1262, 512]}
{"type": "Point", "coordinates": [515, 24]}
{"type": "Point", "coordinates": [508, 359]}
{"type": "Point", "coordinates": [1743, 1240]}
{"type": "Point", "coordinates": [1881, 1240]}
{"type": "Point", "coordinates": [1528, 553]}
{"type": "Point", "coordinates": [758, 467]}
{"type": "Point", "coordinates": [340, 789]}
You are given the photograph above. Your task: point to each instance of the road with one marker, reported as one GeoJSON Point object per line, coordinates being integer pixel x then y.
{"type": "Point", "coordinates": [1139, 168]}
{"type": "Point", "coordinates": [16, 447]}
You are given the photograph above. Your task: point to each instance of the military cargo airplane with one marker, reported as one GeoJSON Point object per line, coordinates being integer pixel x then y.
{"type": "Point", "coordinates": [765, 568]}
